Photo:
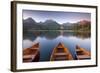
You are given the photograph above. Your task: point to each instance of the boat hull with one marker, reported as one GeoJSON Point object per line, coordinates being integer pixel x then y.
{"type": "Point", "coordinates": [60, 53]}
{"type": "Point", "coordinates": [82, 53]}
{"type": "Point", "coordinates": [31, 54]}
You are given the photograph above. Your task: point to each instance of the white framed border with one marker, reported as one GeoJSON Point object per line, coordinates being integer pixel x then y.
{"type": "Point", "coordinates": [39, 65]}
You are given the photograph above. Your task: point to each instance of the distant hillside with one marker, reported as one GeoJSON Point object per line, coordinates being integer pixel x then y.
{"type": "Point", "coordinates": [48, 24]}
{"type": "Point", "coordinates": [31, 24]}
{"type": "Point", "coordinates": [84, 25]}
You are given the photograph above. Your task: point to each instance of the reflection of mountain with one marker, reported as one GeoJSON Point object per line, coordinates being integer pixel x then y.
{"type": "Point", "coordinates": [31, 24]}
{"type": "Point", "coordinates": [29, 35]}
{"type": "Point", "coordinates": [54, 34]}
{"type": "Point", "coordinates": [83, 35]}
{"type": "Point", "coordinates": [51, 35]}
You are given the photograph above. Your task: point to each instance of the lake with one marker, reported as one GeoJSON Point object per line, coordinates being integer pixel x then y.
{"type": "Point", "coordinates": [48, 40]}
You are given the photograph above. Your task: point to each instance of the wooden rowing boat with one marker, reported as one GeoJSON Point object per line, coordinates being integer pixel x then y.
{"type": "Point", "coordinates": [31, 54]}
{"type": "Point", "coordinates": [60, 52]}
{"type": "Point", "coordinates": [82, 53]}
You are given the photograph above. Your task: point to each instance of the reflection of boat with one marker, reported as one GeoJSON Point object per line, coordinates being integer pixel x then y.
{"type": "Point", "coordinates": [81, 53]}
{"type": "Point", "coordinates": [31, 54]}
{"type": "Point", "coordinates": [61, 53]}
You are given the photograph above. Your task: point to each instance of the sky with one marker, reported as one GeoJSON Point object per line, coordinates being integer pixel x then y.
{"type": "Point", "coordinates": [58, 16]}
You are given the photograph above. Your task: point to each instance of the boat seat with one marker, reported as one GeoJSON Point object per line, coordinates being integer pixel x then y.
{"type": "Point", "coordinates": [60, 54]}
{"type": "Point", "coordinates": [35, 48]}
{"type": "Point", "coordinates": [83, 57]}
{"type": "Point", "coordinates": [28, 56]}
{"type": "Point", "coordinates": [60, 58]}
{"type": "Point", "coordinates": [79, 52]}
{"type": "Point", "coordinates": [60, 50]}
{"type": "Point", "coordinates": [29, 51]}
{"type": "Point", "coordinates": [27, 60]}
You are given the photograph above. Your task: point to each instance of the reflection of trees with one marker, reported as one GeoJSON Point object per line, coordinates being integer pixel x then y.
{"type": "Point", "coordinates": [29, 35]}
{"type": "Point", "coordinates": [82, 35]}
{"type": "Point", "coordinates": [54, 34]}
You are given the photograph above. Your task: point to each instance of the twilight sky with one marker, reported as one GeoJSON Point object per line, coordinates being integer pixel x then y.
{"type": "Point", "coordinates": [60, 17]}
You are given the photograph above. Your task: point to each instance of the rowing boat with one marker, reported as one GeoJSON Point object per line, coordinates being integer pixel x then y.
{"type": "Point", "coordinates": [31, 54]}
{"type": "Point", "coordinates": [60, 52]}
{"type": "Point", "coordinates": [82, 53]}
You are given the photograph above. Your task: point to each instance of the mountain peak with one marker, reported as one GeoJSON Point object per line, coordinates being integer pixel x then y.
{"type": "Point", "coordinates": [50, 20]}
{"type": "Point", "coordinates": [30, 20]}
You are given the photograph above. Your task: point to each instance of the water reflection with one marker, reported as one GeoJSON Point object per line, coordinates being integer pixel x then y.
{"type": "Point", "coordinates": [49, 39]}
{"type": "Point", "coordinates": [54, 34]}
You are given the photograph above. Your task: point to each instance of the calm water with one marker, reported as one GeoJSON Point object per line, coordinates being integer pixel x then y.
{"type": "Point", "coordinates": [49, 40]}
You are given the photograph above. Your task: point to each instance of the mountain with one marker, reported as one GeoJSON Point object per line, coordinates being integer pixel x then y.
{"type": "Point", "coordinates": [51, 24]}
{"type": "Point", "coordinates": [28, 23]}
{"type": "Point", "coordinates": [31, 24]}
{"type": "Point", "coordinates": [28, 20]}
{"type": "Point", "coordinates": [84, 22]}
{"type": "Point", "coordinates": [84, 25]}
{"type": "Point", "coordinates": [67, 26]}
{"type": "Point", "coordinates": [48, 24]}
